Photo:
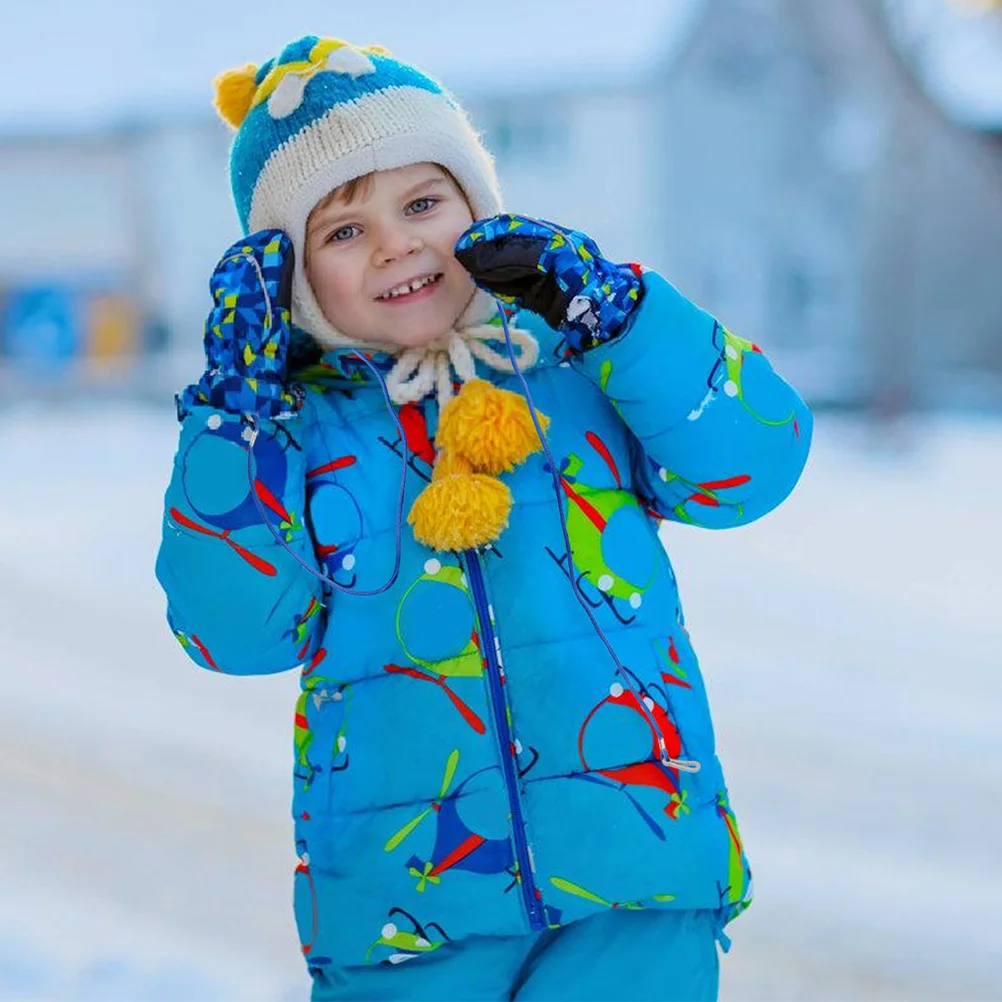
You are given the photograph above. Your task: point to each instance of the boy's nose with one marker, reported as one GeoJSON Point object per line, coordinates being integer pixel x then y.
{"type": "Point", "coordinates": [395, 244]}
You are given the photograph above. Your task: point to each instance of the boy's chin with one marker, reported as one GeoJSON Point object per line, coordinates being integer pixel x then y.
{"type": "Point", "coordinates": [394, 342]}
{"type": "Point", "coordinates": [417, 337]}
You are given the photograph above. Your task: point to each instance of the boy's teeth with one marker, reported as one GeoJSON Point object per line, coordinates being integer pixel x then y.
{"type": "Point", "coordinates": [402, 290]}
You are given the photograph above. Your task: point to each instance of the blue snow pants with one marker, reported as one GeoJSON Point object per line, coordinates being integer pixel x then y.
{"type": "Point", "coordinates": [616, 956]}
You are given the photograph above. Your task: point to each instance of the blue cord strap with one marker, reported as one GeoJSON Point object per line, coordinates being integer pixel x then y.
{"type": "Point", "coordinates": [623, 671]}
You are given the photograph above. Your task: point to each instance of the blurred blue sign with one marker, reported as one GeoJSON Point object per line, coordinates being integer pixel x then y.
{"type": "Point", "coordinates": [40, 330]}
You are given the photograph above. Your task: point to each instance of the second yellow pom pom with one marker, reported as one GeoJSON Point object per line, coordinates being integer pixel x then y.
{"type": "Point", "coordinates": [460, 511]}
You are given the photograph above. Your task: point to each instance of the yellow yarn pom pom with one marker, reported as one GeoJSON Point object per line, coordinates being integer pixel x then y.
{"type": "Point", "coordinates": [235, 91]}
{"type": "Point", "coordinates": [482, 432]}
{"type": "Point", "coordinates": [491, 428]}
{"type": "Point", "coordinates": [460, 511]}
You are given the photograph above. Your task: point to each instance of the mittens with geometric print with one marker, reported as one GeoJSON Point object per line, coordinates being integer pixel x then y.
{"type": "Point", "coordinates": [247, 332]}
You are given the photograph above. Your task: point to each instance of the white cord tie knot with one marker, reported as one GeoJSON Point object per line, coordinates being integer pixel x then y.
{"type": "Point", "coordinates": [436, 365]}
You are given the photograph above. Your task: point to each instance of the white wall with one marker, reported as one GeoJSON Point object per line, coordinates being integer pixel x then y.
{"type": "Point", "coordinates": [188, 221]}
{"type": "Point", "coordinates": [64, 211]}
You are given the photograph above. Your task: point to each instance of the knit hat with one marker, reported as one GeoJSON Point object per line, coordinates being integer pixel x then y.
{"type": "Point", "coordinates": [325, 112]}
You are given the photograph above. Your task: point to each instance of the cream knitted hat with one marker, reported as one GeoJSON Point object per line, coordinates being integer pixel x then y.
{"type": "Point", "coordinates": [325, 112]}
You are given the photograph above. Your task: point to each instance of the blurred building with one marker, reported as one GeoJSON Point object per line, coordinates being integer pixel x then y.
{"type": "Point", "coordinates": [108, 235]}
{"type": "Point", "coordinates": [827, 178]}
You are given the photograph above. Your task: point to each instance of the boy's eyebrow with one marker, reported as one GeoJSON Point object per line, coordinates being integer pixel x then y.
{"type": "Point", "coordinates": [329, 213]}
{"type": "Point", "coordinates": [425, 183]}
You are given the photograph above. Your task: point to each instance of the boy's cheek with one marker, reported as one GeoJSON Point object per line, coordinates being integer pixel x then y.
{"type": "Point", "coordinates": [331, 305]}
{"type": "Point", "coordinates": [330, 290]}
{"type": "Point", "coordinates": [464, 292]}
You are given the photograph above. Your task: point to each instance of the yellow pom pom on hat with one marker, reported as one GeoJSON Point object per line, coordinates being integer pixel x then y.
{"type": "Point", "coordinates": [235, 90]}
{"type": "Point", "coordinates": [482, 432]}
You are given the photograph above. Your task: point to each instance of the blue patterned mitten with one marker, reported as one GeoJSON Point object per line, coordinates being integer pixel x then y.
{"type": "Point", "coordinates": [555, 272]}
{"type": "Point", "coordinates": [247, 332]}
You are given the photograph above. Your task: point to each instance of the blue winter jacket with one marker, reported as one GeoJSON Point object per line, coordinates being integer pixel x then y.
{"type": "Point", "coordinates": [467, 759]}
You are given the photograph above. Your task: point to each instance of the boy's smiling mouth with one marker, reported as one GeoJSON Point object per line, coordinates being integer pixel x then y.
{"type": "Point", "coordinates": [421, 286]}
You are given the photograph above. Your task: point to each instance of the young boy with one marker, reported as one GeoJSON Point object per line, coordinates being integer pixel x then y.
{"type": "Point", "coordinates": [504, 762]}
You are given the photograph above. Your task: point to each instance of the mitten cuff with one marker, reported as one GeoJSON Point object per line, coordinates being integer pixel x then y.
{"type": "Point", "coordinates": [603, 308]}
{"type": "Point", "coordinates": [265, 396]}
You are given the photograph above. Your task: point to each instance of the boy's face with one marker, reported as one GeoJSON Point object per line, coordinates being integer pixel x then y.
{"type": "Point", "coordinates": [398, 233]}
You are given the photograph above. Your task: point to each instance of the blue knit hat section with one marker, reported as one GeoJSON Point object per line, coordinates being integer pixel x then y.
{"type": "Point", "coordinates": [260, 134]}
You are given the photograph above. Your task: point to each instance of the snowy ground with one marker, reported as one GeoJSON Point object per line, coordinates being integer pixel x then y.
{"type": "Point", "coordinates": [852, 648]}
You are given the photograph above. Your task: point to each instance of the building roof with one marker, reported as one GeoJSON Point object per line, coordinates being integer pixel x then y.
{"type": "Point", "coordinates": [126, 60]}
{"type": "Point", "coordinates": [955, 48]}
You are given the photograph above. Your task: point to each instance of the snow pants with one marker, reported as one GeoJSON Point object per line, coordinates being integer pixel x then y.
{"type": "Point", "coordinates": [617, 956]}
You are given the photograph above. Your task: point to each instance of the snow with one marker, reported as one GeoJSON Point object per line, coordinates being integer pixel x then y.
{"type": "Point", "coordinates": [850, 642]}
{"type": "Point", "coordinates": [147, 58]}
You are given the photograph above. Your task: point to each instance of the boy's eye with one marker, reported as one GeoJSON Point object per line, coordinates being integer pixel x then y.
{"type": "Point", "coordinates": [344, 233]}
{"type": "Point", "coordinates": [420, 205]}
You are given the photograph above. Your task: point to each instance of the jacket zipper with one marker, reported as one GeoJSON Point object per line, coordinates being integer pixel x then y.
{"type": "Point", "coordinates": [498, 705]}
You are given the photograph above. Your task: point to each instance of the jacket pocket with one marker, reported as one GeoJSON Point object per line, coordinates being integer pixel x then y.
{"type": "Point", "coordinates": [680, 688]}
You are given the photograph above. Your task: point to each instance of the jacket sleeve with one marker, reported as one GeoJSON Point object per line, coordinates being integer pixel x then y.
{"type": "Point", "coordinates": [720, 438]}
{"type": "Point", "coordinates": [237, 601]}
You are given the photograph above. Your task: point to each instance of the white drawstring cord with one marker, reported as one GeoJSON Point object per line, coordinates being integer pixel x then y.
{"type": "Point", "coordinates": [420, 371]}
